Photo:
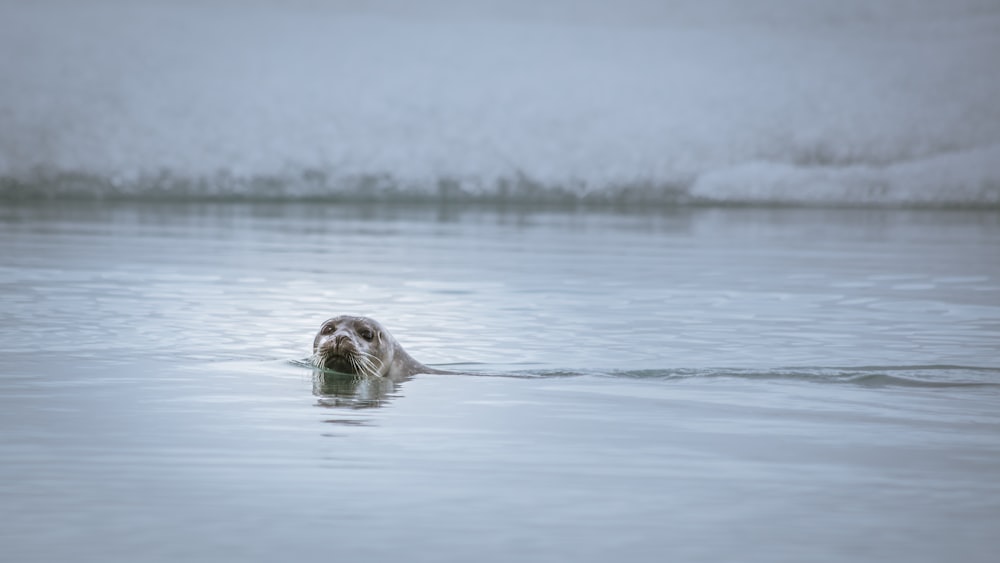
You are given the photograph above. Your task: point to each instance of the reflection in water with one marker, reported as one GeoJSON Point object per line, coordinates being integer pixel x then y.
{"type": "Point", "coordinates": [344, 390]}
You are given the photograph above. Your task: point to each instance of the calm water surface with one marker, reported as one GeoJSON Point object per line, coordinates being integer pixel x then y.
{"type": "Point", "coordinates": [699, 385]}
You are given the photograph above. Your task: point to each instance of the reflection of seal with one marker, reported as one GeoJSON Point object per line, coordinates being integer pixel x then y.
{"type": "Point", "coordinates": [344, 390]}
{"type": "Point", "coordinates": [361, 346]}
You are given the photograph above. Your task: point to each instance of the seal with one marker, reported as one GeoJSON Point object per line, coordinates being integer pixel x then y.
{"type": "Point", "coordinates": [362, 346]}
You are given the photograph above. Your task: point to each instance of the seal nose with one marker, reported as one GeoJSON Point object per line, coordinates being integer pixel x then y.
{"type": "Point", "coordinates": [339, 341]}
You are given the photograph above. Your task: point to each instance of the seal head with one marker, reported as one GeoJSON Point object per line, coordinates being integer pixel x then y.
{"type": "Point", "coordinates": [362, 346]}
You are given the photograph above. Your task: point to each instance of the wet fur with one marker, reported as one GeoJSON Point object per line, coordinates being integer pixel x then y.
{"type": "Point", "coordinates": [342, 345]}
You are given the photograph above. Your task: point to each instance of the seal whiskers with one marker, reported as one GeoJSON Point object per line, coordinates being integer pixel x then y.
{"type": "Point", "coordinates": [317, 359]}
{"type": "Point", "coordinates": [363, 366]}
{"type": "Point", "coordinates": [369, 362]}
{"type": "Point", "coordinates": [362, 346]}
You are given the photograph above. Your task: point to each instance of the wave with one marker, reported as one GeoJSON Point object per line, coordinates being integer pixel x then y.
{"type": "Point", "coordinates": [927, 376]}
{"type": "Point", "coordinates": [919, 376]}
{"type": "Point", "coordinates": [719, 103]}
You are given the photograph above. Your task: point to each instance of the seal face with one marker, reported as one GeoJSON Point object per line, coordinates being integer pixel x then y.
{"type": "Point", "coordinates": [362, 346]}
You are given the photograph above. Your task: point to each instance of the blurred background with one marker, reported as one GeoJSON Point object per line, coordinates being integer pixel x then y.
{"type": "Point", "coordinates": [718, 101]}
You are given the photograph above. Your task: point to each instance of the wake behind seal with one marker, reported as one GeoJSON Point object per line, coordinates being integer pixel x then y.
{"type": "Point", "coordinates": [362, 346]}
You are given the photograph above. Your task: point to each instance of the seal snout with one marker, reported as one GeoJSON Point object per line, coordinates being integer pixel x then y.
{"type": "Point", "coordinates": [342, 345]}
{"type": "Point", "coordinates": [340, 340]}
{"type": "Point", "coordinates": [339, 345]}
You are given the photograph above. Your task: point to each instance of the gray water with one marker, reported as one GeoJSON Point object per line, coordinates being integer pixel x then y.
{"type": "Point", "coordinates": [690, 385]}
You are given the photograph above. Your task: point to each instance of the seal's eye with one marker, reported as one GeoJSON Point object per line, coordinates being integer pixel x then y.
{"type": "Point", "coordinates": [366, 334]}
{"type": "Point", "coordinates": [327, 329]}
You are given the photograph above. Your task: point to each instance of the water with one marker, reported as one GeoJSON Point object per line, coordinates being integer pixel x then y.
{"type": "Point", "coordinates": [687, 384]}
